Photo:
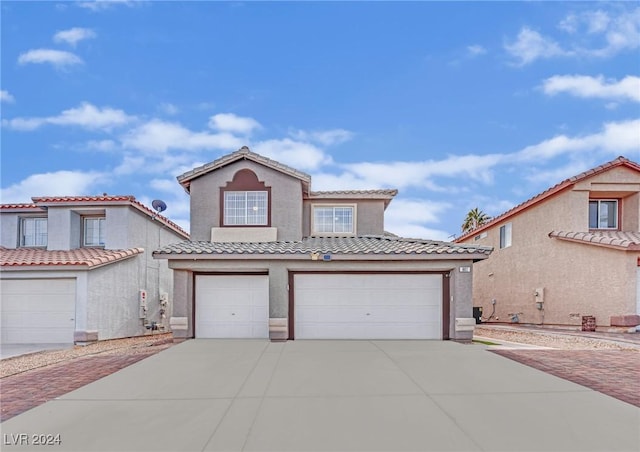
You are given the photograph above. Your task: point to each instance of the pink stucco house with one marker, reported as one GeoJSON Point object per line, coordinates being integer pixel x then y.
{"type": "Point", "coordinates": [571, 252]}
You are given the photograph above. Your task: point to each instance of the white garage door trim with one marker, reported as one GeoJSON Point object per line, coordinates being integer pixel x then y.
{"type": "Point", "coordinates": [385, 305]}
{"type": "Point", "coordinates": [231, 306]}
{"type": "Point", "coordinates": [38, 310]}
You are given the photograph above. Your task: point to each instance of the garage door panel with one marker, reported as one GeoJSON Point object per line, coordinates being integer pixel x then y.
{"type": "Point", "coordinates": [368, 306]}
{"type": "Point", "coordinates": [232, 306]}
{"type": "Point", "coordinates": [38, 310]}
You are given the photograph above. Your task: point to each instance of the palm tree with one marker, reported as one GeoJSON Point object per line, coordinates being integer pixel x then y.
{"type": "Point", "coordinates": [474, 219]}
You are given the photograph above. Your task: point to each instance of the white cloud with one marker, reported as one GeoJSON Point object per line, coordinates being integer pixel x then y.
{"type": "Point", "coordinates": [423, 174]}
{"type": "Point", "coordinates": [615, 138]}
{"type": "Point", "coordinates": [160, 136]}
{"type": "Point", "coordinates": [411, 217]}
{"type": "Point", "coordinates": [165, 185]}
{"type": "Point", "coordinates": [74, 35]}
{"type": "Point", "coordinates": [476, 50]}
{"type": "Point", "coordinates": [594, 87]}
{"type": "Point", "coordinates": [299, 155]}
{"type": "Point", "coordinates": [101, 145]}
{"type": "Point", "coordinates": [59, 183]}
{"type": "Point", "coordinates": [57, 58]}
{"type": "Point", "coordinates": [101, 5]}
{"type": "Point", "coordinates": [168, 109]}
{"type": "Point", "coordinates": [531, 45]}
{"type": "Point", "coordinates": [85, 115]}
{"type": "Point", "coordinates": [554, 175]}
{"type": "Point", "coordinates": [324, 137]}
{"type": "Point", "coordinates": [229, 122]}
{"type": "Point", "coordinates": [595, 33]}
{"type": "Point", "coordinates": [5, 96]}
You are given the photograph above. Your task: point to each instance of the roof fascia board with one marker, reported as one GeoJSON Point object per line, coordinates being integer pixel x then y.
{"type": "Point", "coordinates": [334, 257]}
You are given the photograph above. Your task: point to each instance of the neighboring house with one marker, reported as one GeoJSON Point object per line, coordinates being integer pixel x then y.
{"type": "Point", "coordinates": [269, 258]}
{"type": "Point", "coordinates": [570, 252]}
{"type": "Point", "coordinates": [73, 268]}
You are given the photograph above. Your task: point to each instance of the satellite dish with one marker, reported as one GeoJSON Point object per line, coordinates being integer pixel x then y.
{"type": "Point", "coordinates": [159, 205]}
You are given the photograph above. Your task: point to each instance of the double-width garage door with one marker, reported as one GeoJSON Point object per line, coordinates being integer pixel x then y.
{"type": "Point", "coordinates": [368, 306]}
{"type": "Point", "coordinates": [232, 306]}
{"type": "Point", "coordinates": [38, 311]}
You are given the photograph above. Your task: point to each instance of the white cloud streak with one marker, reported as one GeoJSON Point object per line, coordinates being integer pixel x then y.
{"type": "Point", "coordinates": [57, 58]}
{"type": "Point", "coordinates": [323, 137]}
{"type": "Point", "coordinates": [531, 45]}
{"type": "Point", "coordinates": [59, 183]}
{"type": "Point", "coordinates": [594, 87]}
{"type": "Point", "coordinates": [299, 155]}
{"type": "Point", "coordinates": [73, 35]}
{"type": "Point", "coordinates": [5, 96]}
{"type": "Point", "coordinates": [229, 122]}
{"type": "Point", "coordinates": [102, 5]}
{"type": "Point", "coordinates": [160, 136]}
{"type": "Point", "coordinates": [594, 34]}
{"type": "Point", "coordinates": [85, 115]}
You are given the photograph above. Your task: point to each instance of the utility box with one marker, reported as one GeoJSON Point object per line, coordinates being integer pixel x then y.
{"type": "Point", "coordinates": [477, 314]}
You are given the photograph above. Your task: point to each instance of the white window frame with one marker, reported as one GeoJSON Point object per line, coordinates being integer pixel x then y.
{"type": "Point", "coordinates": [101, 232]}
{"type": "Point", "coordinates": [231, 220]}
{"type": "Point", "coordinates": [44, 236]}
{"type": "Point", "coordinates": [598, 219]}
{"type": "Point", "coordinates": [333, 232]}
{"type": "Point", "coordinates": [506, 231]}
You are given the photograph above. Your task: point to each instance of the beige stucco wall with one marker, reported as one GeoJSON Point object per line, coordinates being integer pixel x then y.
{"type": "Point", "coordinates": [578, 279]}
{"type": "Point", "coordinates": [369, 214]}
{"type": "Point", "coordinates": [286, 200]}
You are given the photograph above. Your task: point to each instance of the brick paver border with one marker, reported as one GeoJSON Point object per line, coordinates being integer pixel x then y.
{"type": "Point", "coordinates": [615, 373]}
{"type": "Point", "coordinates": [21, 392]}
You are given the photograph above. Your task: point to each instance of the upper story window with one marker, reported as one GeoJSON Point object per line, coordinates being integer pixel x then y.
{"type": "Point", "coordinates": [505, 235]}
{"type": "Point", "coordinates": [333, 219]}
{"type": "Point", "coordinates": [33, 232]}
{"type": "Point", "coordinates": [94, 228]}
{"type": "Point", "coordinates": [245, 208]}
{"type": "Point", "coordinates": [245, 201]}
{"type": "Point", "coordinates": [603, 214]}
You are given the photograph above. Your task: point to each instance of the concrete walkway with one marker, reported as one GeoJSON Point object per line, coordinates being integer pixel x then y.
{"type": "Point", "coordinates": [329, 395]}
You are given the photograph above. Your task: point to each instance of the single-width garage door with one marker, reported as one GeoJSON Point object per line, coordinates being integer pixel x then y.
{"type": "Point", "coordinates": [232, 306]}
{"type": "Point", "coordinates": [38, 311]}
{"type": "Point", "coordinates": [368, 306]}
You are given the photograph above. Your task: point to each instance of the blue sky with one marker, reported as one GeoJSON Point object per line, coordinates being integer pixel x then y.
{"type": "Point", "coordinates": [457, 104]}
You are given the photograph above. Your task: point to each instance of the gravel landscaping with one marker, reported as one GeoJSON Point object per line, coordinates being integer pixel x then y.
{"type": "Point", "coordinates": [561, 340]}
{"type": "Point", "coordinates": [127, 346]}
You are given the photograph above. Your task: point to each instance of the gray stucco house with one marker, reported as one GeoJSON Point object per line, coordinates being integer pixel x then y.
{"type": "Point", "coordinates": [79, 268]}
{"type": "Point", "coordinates": [270, 258]}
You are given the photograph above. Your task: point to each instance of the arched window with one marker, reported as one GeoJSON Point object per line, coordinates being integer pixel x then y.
{"type": "Point", "coordinates": [245, 201]}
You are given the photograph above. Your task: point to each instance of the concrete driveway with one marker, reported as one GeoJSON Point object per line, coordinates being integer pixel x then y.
{"type": "Point", "coordinates": [329, 395]}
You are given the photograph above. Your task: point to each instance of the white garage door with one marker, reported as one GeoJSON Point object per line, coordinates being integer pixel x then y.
{"type": "Point", "coordinates": [368, 306]}
{"type": "Point", "coordinates": [38, 311]}
{"type": "Point", "coordinates": [232, 306]}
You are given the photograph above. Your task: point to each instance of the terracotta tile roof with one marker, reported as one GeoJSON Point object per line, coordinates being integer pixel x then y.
{"type": "Point", "coordinates": [616, 239]}
{"type": "Point", "coordinates": [84, 257]}
{"type": "Point", "coordinates": [384, 246]}
{"type": "Point", "coordinates": [42, 201]}
{"type": "Point", "coordinates": [20, 206]}
{"type": "Point", "coordinates": [620, 161]}
{"type": "Point", "coordinates": [242, 154]}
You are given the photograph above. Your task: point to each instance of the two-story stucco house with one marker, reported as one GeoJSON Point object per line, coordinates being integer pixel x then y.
{"type": "Point", "coordinates": [270, 258]}
{"type": "Point", "coordinates": [572, 251]}
{"type": "Point", "coordinates": [79, 268]}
